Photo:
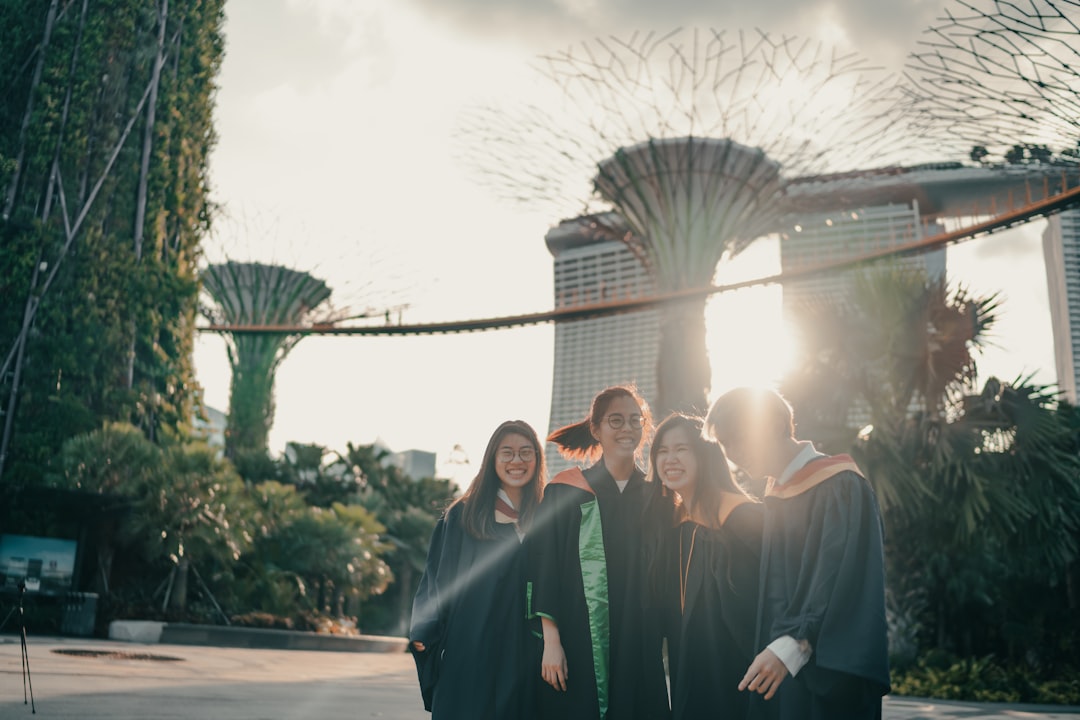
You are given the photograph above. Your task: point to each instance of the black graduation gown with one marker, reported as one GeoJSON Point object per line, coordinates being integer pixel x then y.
{"type": "Point", "coordinates": [824, 580]}
{"type": "Point", "coordinates": [711, 639]}
{"type": "Point", "coordinates": [589, 577]}
{"type": "Point", "coordinates": [481, 658]}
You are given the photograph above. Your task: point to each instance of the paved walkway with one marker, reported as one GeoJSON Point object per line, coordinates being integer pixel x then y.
{"type": "Point", "coordinates": [92, 679]}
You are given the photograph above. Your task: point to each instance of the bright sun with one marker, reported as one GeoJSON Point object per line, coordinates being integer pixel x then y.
{"type": "Point", "coordinates": [749, 342]}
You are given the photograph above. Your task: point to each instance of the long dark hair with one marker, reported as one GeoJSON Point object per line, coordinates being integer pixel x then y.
{"type": "Point", "coordinates": [714, 473]}
{"type": "Point", "coordinates": [478, 500]}
{"type": "Point", "coordinates": [714, 477]}
{"type": "Point", "coordinates": [578, 443]}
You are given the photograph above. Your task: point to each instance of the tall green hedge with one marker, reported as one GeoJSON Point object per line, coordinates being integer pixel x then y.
{"type": "Point", "coordinates": [113, 333]}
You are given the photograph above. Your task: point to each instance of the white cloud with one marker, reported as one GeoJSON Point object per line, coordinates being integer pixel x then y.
{"type": "Point", "coordinates": [882, 29]}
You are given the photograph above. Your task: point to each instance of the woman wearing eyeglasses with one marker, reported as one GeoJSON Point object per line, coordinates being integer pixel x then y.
{"type": "Point", "coordinates": [475, 652]}
{"type": "Point", "coordinates": [711, 574]}
{"type": "Point", "coordinates": [602, 644]}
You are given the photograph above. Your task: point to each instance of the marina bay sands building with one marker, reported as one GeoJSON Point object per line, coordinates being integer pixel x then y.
{"type": "Point", "coordinates": [593, 353]}
{"type": "Point", "coordinates": [829, 218]}
{"type": "Point", "coordinates": [1061, 255]}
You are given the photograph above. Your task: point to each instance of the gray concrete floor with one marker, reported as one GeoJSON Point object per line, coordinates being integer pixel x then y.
{"type": "Point", "coordinates": [182, 681]}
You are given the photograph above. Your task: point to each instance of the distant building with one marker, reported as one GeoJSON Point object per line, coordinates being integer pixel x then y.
{"type": "Point", "coordinates": [415, 464]}
{"type": "Point", "coordinates": [212, 428]}
{"type": "Point", "coordinates": [594, 353]}
{"type": "Point", "coordinates": [1061, 255]}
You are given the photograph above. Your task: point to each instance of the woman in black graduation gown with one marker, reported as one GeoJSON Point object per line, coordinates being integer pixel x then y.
{"type": "Point", "coordinates": [602, 655]}
{"type": "Point", "coordinates": [713, 557]}
{"type": "Point", "coordinates": [476, 654]}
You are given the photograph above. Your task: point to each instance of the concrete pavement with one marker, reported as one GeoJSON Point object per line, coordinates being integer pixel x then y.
{"type": "Point", "coordinates": [91, 679]}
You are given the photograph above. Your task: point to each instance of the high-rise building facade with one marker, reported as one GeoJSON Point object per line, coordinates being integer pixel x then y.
{"type": "Point", "coordinates": [594, 353]}
{"type": "Point", "coordinates": [827, 237]}
{"type": "Point", "coordinates": [1061, 255]}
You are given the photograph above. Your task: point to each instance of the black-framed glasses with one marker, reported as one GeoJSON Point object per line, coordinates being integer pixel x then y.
{"type": "Point", "coordinates": [617, 420]}
{"type": "Point", "coordinates": [506, 455]}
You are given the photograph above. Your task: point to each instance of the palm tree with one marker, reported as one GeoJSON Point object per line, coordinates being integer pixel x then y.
{"type": "Point", "coordinates": [978, 485]}
{"type": "Point", "coordinates": [897, 354]}
{"type": "Point", "coordinates": [409, 508]}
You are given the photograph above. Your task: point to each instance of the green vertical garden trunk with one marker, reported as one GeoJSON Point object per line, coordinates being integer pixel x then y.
{"type": "Point", "coordinates": [76, 116]}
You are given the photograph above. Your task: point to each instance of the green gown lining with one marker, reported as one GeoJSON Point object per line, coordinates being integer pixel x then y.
{"type": "Point", "coordinates": [595, 581]}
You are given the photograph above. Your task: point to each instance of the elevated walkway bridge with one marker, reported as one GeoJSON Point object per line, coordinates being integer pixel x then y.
{"type": "Point", "coordinates": [971, 201]}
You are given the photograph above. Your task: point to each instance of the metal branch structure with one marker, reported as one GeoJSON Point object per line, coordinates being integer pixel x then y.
{"type": "Point", "coordinates": [691, 137]}
{"type": "Point", "coordinates": [259, 294]}
{"type": "Point", "coordinates": [1002, 76]}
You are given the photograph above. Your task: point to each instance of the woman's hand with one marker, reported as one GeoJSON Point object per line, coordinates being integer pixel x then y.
{"type": "Point", "coordinates": [418, 646]}
{"type": "Point", "coordinates": [553, 665]}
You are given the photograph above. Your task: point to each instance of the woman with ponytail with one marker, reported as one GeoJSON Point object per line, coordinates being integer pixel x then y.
{"type": "Point", "coordinates": [601, 639]}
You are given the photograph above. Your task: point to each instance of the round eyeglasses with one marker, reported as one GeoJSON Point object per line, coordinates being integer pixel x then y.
{"type": "Point", "coordinates": [617, 420]}
{"type": "Point", "coordinates": [506, 455]}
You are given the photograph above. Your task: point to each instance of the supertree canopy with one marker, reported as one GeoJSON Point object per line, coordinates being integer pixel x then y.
{"type": "Point", "coordinates": [997, 76]}
{"type": "Point", "coordinates": [692, 193]}
{"type": "Point", "coordinates": [690, 137]}
{"type": "Point", "coordinates": [257, 294]}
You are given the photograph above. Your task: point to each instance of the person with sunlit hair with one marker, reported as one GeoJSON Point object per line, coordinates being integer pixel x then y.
{"type": "Point", "coordinates": [475, 651]}
{"type": "Point", "coordinates": [822, 616]}
{"type": "Point", "coordinates": [602, 657]}
{"type": "Point", "coordinates": [709, 579]}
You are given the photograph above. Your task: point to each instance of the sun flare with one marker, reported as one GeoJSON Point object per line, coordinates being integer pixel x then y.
{"type": "Point", "coordinates": [749, 341]}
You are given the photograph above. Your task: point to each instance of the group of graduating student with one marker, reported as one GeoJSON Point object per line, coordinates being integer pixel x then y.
{"type": "Point", "coordinates": [552, 600]}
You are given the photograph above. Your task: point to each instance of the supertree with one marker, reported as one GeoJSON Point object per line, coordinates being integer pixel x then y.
{"type": "Point", "coordinates": [106, 130]}
{"type": "Point", "coordinates": [998, 76]}
{"type": "Point", "coordinates": [258, 294]}
{"type": "Point", "coordinates": [691, 138]}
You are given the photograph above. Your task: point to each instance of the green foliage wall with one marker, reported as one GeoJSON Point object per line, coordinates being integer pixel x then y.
{"type": "Point", "coordinates": [113, 331]}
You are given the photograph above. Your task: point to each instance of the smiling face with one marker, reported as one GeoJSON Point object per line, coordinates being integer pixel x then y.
{"type": "Point", "coordinates": [622, 440]}
{"type": "Point", "coordinates": [675, 462]}
{"type": "Point", "coordinates": [515, 461]}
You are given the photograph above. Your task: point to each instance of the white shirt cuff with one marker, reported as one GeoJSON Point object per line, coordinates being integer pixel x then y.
{"type": "Point", "coordinates": [793, 653]}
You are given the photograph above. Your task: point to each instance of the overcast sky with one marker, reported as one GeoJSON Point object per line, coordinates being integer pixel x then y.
{"type": "Point", "coordinates": [339, 152]}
